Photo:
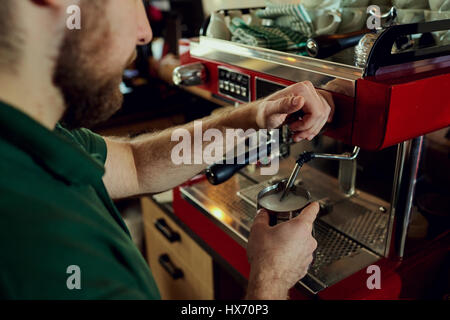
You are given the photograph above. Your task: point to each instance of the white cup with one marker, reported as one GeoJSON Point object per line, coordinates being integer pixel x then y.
{"type": "Point", "coordinates": [355, 3]}
{"type": "Point", "coordinates": [436, 15]}
{"type": "Point", "coordinates": [410, 4]}
{"type": "Point", "coordinates": [321, 4]}
{"type": "Point", "coordinates": [353, 19]}
{"type": "Point", "coordinates": [254, 20]}
{"type": "Point", "coordinates": [326, 22]}
{"type": "Point", "coordinates": [234, 14]}
{"type": "Point", "coordinates": [406, 16]}
{"type": "Point", "coordinates": [439, 5]}
{"type": "Point", "coordinates": [218, 28]}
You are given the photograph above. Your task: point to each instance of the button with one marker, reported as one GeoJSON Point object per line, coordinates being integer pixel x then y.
{"type": "Point", "coordinates": [227, 86]}
{"type": "Point", "coordinates": [244, 91]}
{"type": "Point", "coordinates": [238, 90]}
{"type": "Point", "coordinates": [221, 84]}
{"type": "Point", "coordinates": [239, 78]}
{"type": "Point", "coordinates": [232, 87]}
{"type": "Point", "coordinates": [233, 76]}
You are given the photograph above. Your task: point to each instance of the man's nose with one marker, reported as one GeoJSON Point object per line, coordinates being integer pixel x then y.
{"type": "Point", "coordinates": [145, 33]}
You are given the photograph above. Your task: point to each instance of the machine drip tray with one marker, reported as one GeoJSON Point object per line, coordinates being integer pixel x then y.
{"type": "Point", "coordinates": [343, 246]}
{"type": "Point", "coordinates": [351, 236]}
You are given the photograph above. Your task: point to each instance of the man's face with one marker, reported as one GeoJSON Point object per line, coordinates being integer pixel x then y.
{"type": "Point", "coordinates": [92, 60]}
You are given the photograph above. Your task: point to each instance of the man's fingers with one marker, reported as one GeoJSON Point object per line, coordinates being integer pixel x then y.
{"type": "Point", "coordinates": [304, 124]}
{"type": "Point", "coordinates": [295, 89]}
{"type": "Point", "coordinates": [329, 99]}
{"type": "Point", "coordinates": [261, 220]}
{"type": "Point", "coordinates": [311, 124]}
{"type": "Point", "coordinates": [298, 137]}
{"type": "Point", "coordinates": [316, 129]}
{"type": "Point", "coordinates": [286, 105]}
{"type": "Point", "coordinates": [309, 214]}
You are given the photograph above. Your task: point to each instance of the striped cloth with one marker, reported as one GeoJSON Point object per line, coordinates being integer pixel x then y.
{"type": "Point", "coordinates": [276, 37]}
{"type": "Point", "coordinates": [292, 16]}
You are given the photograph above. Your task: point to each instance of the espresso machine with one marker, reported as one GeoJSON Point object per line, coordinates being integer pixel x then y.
{"type": "Point", "coordinates": [384, 107]}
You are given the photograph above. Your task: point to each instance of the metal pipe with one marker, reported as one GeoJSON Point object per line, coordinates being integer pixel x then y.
{"type": "Point", "coordinates": [344, 156]}
{"type": "Point", "coordinates": [308, 156]}
{"type": "Point", "coordinates": [398, 174]}
{"type": "Point", "coordinates": [406, 195]}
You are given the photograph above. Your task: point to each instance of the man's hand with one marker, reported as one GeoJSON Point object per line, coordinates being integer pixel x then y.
{"type": "Point", "coordinates": [317, 106]}
{"type": "Point", "coordinates": [280, 256]}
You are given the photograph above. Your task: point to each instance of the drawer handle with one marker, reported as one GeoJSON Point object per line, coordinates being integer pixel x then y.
{"type": "Point", "coordinates": [167, 264]}
{"type": "Point", "coordinates": [166, 231]}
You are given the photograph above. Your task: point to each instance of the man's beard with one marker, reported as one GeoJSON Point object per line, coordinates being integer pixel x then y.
{"type": "Point", "coordinates": [91, 95]}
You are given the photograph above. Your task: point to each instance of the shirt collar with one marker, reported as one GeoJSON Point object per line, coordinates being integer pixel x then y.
{"type": "Point", "coordinates": [55, 153]}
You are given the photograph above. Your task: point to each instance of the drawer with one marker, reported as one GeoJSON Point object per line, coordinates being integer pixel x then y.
{"type": "Point", "coordinates": [175, 280]}
{"type": "Point", "coordinates": [163, 236]}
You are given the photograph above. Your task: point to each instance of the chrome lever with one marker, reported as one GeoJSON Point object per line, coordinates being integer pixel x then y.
{"type": "Point", "coordinates": [193, 74]}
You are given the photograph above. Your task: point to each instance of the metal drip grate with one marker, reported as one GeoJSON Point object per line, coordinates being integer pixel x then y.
{"type": "Point", "coordinates": [366, 224]}
{"type": "Point", "coordinates": [332, 246]}
{"type": "Point", "coordinates": [344, 234]}
{"type": "Point", "coordinates": [370, 228]}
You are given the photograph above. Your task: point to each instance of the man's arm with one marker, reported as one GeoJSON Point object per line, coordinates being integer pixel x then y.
{"type": "Point", "coordinates": [144, 165]}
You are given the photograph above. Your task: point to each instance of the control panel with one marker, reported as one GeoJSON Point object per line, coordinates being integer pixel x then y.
{"type": "Point", "coordinates": [234, 84]}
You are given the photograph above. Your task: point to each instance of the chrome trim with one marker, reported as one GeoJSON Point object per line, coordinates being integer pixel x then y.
{"type": "Point", "coordinates": [343, 156]}
{"type": "Point", "coordinates": [406, 193]}
{"type": "Point", "coordinates": [347, 176]}
{"type": "Point", "coordinates": [276, 63]}
{"type": "Point", "coordinates": [398, 174]}
{"type": "Point", "coordinates": [192, 74]}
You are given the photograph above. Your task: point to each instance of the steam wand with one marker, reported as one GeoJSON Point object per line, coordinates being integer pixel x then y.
{"type": "Point", "coordinates": [308, 156]}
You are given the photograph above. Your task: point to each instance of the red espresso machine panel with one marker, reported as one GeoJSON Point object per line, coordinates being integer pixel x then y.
{"type": "Point", "coordinates": [395, 98]}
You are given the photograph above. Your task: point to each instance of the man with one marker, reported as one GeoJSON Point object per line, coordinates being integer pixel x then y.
{"type": "Point", "coordinates": [56, 183]}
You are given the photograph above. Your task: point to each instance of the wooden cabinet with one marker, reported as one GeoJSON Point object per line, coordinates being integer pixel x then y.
{"type": "Point", "coordinates": [181, 268]}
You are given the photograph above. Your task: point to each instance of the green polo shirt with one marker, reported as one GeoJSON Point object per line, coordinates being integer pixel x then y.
{"type": "Point", "coordinates": [61, 236]}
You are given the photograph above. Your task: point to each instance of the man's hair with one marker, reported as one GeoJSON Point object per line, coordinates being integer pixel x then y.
{"type": "Point", "coordinates": [9, 35]}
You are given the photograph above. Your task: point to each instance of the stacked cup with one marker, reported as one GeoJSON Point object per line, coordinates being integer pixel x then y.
{"type": "Point", "coordinates": [354, 15]}
{"type": "Point", "coordinates": [324, 15]}
{"type": "Point", "coordinates": [337, 16]}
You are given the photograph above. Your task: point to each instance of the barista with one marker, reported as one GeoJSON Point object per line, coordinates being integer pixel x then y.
{"type": "Point", "coordinates": [57, 178]}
